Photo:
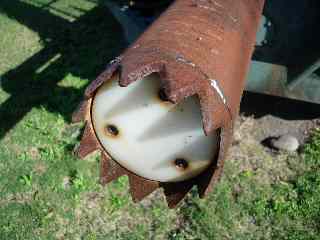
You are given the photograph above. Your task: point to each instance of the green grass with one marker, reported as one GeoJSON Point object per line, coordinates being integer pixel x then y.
{"type": "Point", "coordinates": [49, 53]}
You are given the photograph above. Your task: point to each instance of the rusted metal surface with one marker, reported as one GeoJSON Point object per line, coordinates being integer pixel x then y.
{"type": "Point", "coordinates": [198, 47]}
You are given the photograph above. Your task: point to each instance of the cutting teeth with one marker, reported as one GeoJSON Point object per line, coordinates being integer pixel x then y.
{"type": "Point", "coordinates": [89, 142]}
{"type": "Point", "coordinates": [141, 187]}
{"type": "Point", "coordinates": [83, 111]}
{"type": "Point", "coordinates": [175, 192]}
{"type": "Point", "coordinates": [110, 170]}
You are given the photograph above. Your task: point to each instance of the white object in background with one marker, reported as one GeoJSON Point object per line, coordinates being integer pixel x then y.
{"type": "Point", "coordinates": [150, 137]}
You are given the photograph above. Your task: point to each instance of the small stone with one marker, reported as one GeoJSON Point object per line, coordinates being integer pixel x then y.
{"type": "Point", "coordinates": [286, 143]}
{"type": "Point", "coordinates": [66, 182]}
{"type": "Point", "coordinates": [237, 136]}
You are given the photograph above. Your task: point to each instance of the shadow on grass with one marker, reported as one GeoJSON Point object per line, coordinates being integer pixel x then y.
{"type": "Point", "coordinates": [81, 48]}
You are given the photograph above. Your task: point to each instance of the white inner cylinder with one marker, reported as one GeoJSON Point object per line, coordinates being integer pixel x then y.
{"type": "Point", "coordinates": [152, 138]}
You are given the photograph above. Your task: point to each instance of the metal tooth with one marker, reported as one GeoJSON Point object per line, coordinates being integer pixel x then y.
{"type": "Point", "coordinates": [176, 192]}
{"type": "Point", "coordinates": [140, 187]}
{"type": "Point", "coordinates": [89, 142]}
{"type": "Point", "coordinates": [81, 113]}
{"type": "Point", "coordinates": [103, 77]}
{"type": "Point", "coordinates": [110, 170]}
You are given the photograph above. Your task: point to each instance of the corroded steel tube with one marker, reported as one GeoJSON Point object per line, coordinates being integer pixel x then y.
{"type": "Point", "coordinates": [198, 47]}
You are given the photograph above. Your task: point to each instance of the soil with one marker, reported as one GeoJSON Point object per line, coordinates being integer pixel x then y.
{"type": "Point", "coordinates": [263, 117]}
{"type": "Point", "coordinates": [274, 116]}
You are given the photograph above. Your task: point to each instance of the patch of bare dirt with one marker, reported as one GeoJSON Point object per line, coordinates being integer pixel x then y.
{"type": "Point", "coordinates": [40, 168]}
{"type": "Point", "coordinates": [34, 153]}
{"type": "Point", "coordinates": [21, 198]}
{"type": "Point", "coordinates": [263, 117]}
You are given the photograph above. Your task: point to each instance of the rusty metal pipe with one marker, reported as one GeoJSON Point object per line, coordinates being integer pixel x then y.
{"type": "Point", "coordinates": [199, 48]}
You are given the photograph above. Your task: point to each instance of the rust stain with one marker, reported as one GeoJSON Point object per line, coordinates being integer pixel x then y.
{"type": "Point", "coordinates": [112, 130]}
{"type": "Point", "coordinates": [181, 164]}
{"type": "Point", "coordinates": [162, 98]}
